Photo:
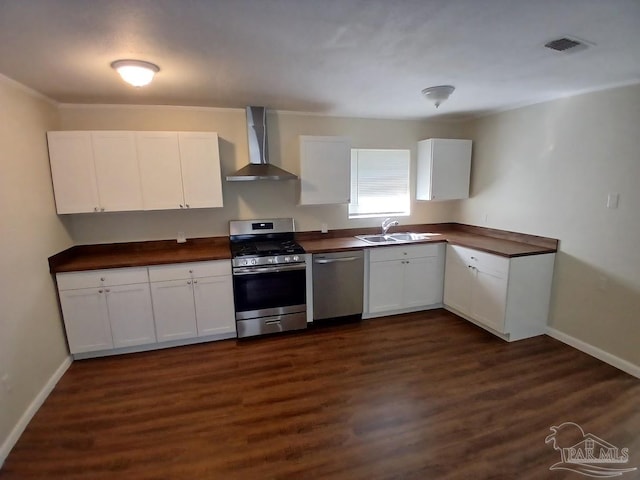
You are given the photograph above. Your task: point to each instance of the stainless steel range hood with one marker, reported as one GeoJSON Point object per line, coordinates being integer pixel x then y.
{"type": "Point", "coordinates": [259, 167]}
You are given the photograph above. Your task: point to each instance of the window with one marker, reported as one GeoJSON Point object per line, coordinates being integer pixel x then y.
{"type": "Point", "coordinates": [379, 183]}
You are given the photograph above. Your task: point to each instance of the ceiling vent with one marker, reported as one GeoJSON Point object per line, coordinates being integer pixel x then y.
{"type": "Point", "coordinates": [566, 44]}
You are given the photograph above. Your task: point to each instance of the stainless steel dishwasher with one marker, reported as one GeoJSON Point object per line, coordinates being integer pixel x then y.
{"type": "Point", "coordinates": [338, 282]}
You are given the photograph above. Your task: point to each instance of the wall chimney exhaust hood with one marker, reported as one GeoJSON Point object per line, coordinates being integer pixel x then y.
{"type": "Point", "coordinates": [259, 167]}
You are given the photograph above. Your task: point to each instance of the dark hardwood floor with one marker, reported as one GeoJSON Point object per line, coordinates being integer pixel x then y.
{"type": "Point", "coordinates": [417, 396]}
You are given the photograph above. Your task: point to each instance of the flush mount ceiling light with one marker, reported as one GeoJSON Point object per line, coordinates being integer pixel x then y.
{"type": "Point", "coordinates": [438, 94]}
{"type": "Point", "coordinates": [135, 72]}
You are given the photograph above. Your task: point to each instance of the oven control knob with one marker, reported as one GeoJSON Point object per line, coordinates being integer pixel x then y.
{"type": "Point", "coordinates": [287, 259]}
{"type": "Point", "coordinates": [296, 258]}
{"type": "Point", "coordinates": [253, 261]}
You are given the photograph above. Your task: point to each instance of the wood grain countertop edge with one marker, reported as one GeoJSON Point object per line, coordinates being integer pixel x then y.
{"type": "Point", "coordinates": [160, 252]}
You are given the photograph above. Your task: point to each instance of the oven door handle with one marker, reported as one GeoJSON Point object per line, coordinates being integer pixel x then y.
{"type": "Point", "coordinates": [274, 269]}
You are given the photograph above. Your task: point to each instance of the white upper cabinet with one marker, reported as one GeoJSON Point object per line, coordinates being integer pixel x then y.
{"type": "Point", "coordinates": [325, 170]}
{"type": "Point", "coordinates": [160, 172]}
{"type": "Point", "coordinates": [200, 161]}
{"type": "Point", "coordinates": [98, 171]}
{"type": "Point", "coordinates": [73, 172]}
{"type": "Point", "coordinates": [117, 174]}
{"type": "Point", "coordinates": [444, 167]}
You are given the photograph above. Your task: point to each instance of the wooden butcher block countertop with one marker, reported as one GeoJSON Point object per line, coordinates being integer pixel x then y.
{"type": "Point", "coordinates": [499, 242]}
{"type": "Point", "coordinates": [135, 254]}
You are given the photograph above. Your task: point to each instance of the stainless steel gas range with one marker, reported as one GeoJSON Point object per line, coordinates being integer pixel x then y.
{"type": "Point", "coordinates": [269, 277]}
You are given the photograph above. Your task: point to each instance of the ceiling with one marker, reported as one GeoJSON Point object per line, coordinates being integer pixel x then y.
{"type": "Point", "coordinates": [365, 58]}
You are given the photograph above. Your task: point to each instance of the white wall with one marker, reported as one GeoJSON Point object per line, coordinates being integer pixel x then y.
{"type": "Point", "coordinates": [32, 342]}
{"type": "Point", "coordinates": [547, 170]}
{"type": "Point", "coordinates": [243, 200]}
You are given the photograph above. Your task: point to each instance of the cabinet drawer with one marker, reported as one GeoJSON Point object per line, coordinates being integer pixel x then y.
{"type": "Point", "coordinates": [487, 262]}
{"type": "Point", "coordinates": [381, 254]}
{"type": "Point", "coordinates": [161, 273]}
{"type": "Point", "coordinates": [102, 278]}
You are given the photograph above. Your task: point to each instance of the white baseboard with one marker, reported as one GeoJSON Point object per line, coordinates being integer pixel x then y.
{"type": "Point", "coordinates": [596, 352]}
{"type": "Point", "coordinates": [35, 405]}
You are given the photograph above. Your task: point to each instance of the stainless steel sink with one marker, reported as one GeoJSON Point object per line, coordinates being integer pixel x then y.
{"type": "Point", "coordinates": [377, 239]}
{"type": "Point", "coordinates": [395, 238]}
{"type": "Point", "coordinates": [410, 236]}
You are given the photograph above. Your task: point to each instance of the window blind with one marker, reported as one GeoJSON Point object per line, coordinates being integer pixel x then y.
{"type": "Point", "coordinates": [379, 182]}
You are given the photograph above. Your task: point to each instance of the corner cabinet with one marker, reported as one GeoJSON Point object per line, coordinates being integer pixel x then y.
{"type": "Point", "coordinates": [115, 171]}
{"type": "Point", "coordinates": [443, 170]}
{"type": "Point", "coordinates": [403, 279]}
{"type": "Point", "coordinates": [325, 170]}
{"type": "Point", "coordinates": [507, 296]}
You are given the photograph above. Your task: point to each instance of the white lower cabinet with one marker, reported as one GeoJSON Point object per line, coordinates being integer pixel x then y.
{"type": "Point", "coordinates": [192, 299]}
{"type": "Point", "coordinates": [174, 309]}
{"type": "Point", "coordinates": [101, 313]}
{"type": "Point", "coordinates": [403, 278]}
{"type": "Point", "coordinates": [111, 309]}
{"type": "Point", "coordinates": [509, 296]}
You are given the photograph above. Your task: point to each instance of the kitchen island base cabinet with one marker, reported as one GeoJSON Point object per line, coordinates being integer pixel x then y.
{"type": "Point", "coordinates": [403, 279]}
{"type": "Point", "coordinates": [507, 296]}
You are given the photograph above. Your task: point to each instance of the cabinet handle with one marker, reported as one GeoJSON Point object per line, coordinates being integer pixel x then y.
{"type": "Point", "coordinates": [95, 209]}
{"type": "Point", "coordinates": [404, 253]}
{"type": "Point", "coordinates": [107, 290]}
{"type": "Point", "coordinates": [474, 258]}
{"type": "Point", "coordinates": [188, 282]}
{"type": "Point", "coordinates": [190, 271]}
{"type": "Point", "coordinates": [99, 291]}
{"type": "Point", "coordinates": [102, 279]}
{"type": "Point", "coordinates": [181, 206]}
{"type": "Point", "coordinates": [195, 281]}
{"type": "Point", "coordinates": [102, 209]}
{"type": "Point", "coordinates": [187, 205]}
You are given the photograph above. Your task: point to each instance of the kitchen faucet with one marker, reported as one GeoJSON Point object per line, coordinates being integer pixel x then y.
{"type": "Point", "coordinates": [387, 223]}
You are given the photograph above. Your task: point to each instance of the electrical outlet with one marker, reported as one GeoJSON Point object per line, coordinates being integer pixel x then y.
{"type": "Point", "coordinates": [6, 382]}
{"type": "Point", "coordinates": [612, 200]}
{"type": "Point", "coordinates": [603, 283]}
{"type": "Point", "coordinates": [324, 228]}
{"type": "Point", "coordinates": [181, 237]}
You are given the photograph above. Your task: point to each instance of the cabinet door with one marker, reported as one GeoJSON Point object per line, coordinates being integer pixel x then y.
{"type": "Point", "coordinates": [117, 172]}
{"type": "Point", "coordinates": [160, 172]}
{"type": "Point", "coordinates": [458, 281]}
{"type": "Point", "coordinates": [174, 310]}
{"type": "Point", "coordinates": [385, 286]}
{"type": "Point", "coordinates": [325, 170]}
{"type": "Point", "coordinates": [200, 161]}
{"type": "Point", "coordinates": [443, 169]}
{"type": "Point", "coordinates": [86, 320]}
{"type": "Point", "coordinates": [130, 315]}
{"type": "Point", "coordinates": [422, 281]}
{"type": "Point", "coordinates": [214, 305]}
{"type": "Point", "coordinates": [73, 172]}
{"type": "Point", "coordinates": [488, 299]}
